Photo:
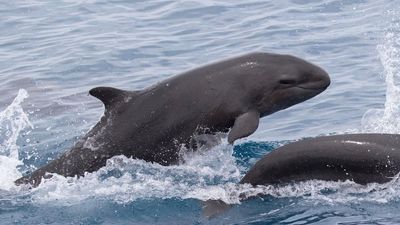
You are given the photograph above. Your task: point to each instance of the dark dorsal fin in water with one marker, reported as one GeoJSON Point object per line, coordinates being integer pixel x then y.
{"type": "Point", "coordinates": [110, 96]}
{"type": "Point", "coordinates": [213, 208]}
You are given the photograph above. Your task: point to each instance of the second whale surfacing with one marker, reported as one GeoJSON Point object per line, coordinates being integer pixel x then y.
{"type": "Point", "coordinates": [362, 158]}
{"type": "Point", "coordinates": [152, 124]}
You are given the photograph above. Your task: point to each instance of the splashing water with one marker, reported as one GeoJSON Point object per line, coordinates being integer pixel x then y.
{"type": "Point", "coordinates": [330, 191]}
{"type": "Point", "coordinates": [210, 175]}
{"type": "Point", "coordinates": [387, 120]}
{"type": "Point", "coordinates": [13, 120]}
{"type": "Point", "coordinates": [125, 180]}
{"type": "Point", "coordinates": [205, 175]}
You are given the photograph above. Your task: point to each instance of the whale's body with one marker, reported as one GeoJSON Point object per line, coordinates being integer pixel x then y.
{"type": "Point", "coordinates": [362, 158]}
{"type": "Point", "coordinates": [152, 124]}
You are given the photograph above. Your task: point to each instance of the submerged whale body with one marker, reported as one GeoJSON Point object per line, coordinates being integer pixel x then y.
{"type": "Point", "coordinates": [362, 158]}
{"type": "Point", "coordinates": [153, 123]}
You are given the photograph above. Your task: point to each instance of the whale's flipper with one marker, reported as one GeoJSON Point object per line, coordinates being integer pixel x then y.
{"type": "Point", "coordinates": [212, 208]}
{"type": "Point", "coordinates": [245, 124]}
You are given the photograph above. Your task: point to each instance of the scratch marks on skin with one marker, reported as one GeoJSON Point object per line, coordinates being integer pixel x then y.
{"type": "Point", "coordinates": [389, 162]}
{"type": "Point", "coordinates": [249, 64]}
{"type": "Point", "coordinates": [356, 142]}
{"type": "Point", "coordinates": [92, 142]}
{"type": "Point", "coordinates": [127, 99]}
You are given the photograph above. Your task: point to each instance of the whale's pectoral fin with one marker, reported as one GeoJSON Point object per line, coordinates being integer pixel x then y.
{"type": "Point", "coordinates": [245, 125]}
{"type": "Point", "coordinates": [109, 95]}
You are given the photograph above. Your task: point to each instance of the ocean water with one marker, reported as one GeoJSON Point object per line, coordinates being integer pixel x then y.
{"type": "Point", "coordinates": [53, 52]}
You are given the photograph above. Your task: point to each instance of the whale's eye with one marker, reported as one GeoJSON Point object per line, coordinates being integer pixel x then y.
{"type": "Point", "coordinates": [287, 81]}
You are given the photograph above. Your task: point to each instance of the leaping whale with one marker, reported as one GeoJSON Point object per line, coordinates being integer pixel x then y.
{"type": "Point", "coordinates": [152, 124]}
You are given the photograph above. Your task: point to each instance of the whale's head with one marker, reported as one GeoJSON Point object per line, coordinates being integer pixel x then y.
{"type": "Point", "coordinates": [276, 82]}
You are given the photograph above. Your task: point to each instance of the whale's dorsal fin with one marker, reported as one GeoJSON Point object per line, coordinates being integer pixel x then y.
{"type": "Point", "coordinates": [213, 208]}
{"type": "Point", "coordinates": [109, 95]}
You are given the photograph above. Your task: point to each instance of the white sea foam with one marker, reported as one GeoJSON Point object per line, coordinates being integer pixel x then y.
{"type": "Point", "coordinates": [125, 180]}
{"type": "Point", "coordinates": [143, 180]}
{"type": "Point", "coordinates": [209, 175]}
{"type": "Point", "coordinates": [13, 120]}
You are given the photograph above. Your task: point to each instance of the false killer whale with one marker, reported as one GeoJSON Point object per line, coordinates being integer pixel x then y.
{"type": "Point", "coordinates": [362, 158]}
{"type": "Point", "coordinates": [152, 124]}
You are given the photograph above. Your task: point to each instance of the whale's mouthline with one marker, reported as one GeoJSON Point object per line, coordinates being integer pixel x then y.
{"type": "Point", "coordinates": [312, 88]}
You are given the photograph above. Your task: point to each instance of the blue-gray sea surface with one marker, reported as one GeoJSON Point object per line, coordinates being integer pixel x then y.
{"type": "Point", "coordinates": [53, 52]}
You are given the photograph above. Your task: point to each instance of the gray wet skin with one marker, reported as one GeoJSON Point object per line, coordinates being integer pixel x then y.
{"type": "Point", "coordinates": [151, 124]}
{"type": "Point", "coordinates": [362, 158]}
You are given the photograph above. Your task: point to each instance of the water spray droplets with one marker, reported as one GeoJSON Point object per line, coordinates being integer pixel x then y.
{"type": "Point", "coordinates": [13, 120]}
{"type": "Point", "coordinates": [387, 120]}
